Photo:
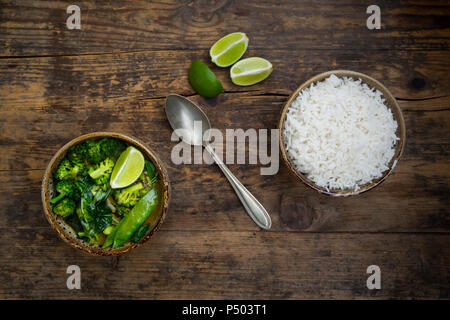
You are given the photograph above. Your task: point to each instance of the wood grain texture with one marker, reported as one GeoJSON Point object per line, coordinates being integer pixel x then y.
{"type": "Point", "coordinates": [233, 265]}
{"type": "Point", "coordinates": [28, 28]}
{"type": "Point", "coordinates": [419, 182]}
{"type": "Point", "coordinates": [114, 75]}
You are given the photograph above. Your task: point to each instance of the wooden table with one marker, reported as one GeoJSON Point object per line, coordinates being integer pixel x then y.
{"type": "Point", "coordinates": [114, 74]}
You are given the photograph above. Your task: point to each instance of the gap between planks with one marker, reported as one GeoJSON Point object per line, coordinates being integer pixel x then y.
{"type": "Point", "coordinates": [418, 233]}
{"type": "Point", "coordinates": [192, 50]}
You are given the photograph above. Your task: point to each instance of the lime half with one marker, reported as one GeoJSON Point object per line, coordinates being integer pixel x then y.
{"type": "Point", "coordinates": [128, 168]}
{"type": "Point", "coordinates": [203, 80]}
{"type": "Point", "coordinates": [250, 71]}
{"type": "Point", "coordinates": [229, 49]}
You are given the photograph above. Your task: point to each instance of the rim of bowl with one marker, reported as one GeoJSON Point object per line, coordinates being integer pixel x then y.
{"type": "Point", "coordinates": [79, 244]}
{"type": "Point", "coordinates": [390, 102]}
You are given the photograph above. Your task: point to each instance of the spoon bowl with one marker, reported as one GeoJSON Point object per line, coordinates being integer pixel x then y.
{"type": "Point", "coordinates": [184, 117]}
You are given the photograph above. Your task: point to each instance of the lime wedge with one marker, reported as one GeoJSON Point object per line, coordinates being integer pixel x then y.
{"type": "Point", "coordinates": [203, 80]}
{"type": "Point", "coordinates": [128, 168]}
{"type": "Point", "coordinates": [250, 71]}
{"type": "Point", "coordinates": [229, 49]}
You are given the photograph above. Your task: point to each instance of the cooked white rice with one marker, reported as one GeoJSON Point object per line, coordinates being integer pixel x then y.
{"type": "Point", "coordinates": [340, 134]}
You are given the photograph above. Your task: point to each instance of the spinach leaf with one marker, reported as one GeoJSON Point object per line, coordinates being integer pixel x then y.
{"type": "Point", "coordinates": [102, 218]}
{"type": "Point", "coordinates": [151, 172]}
{"type": "Point", "coordinates": [87, 204]}
{"type": "Point", "coordinates": [96, 215]}
{"type": "Point", "coordinates": [150, 168]}
{"type": "Point", "coordinates": [101, 196]}
{"type": "Point", "coordinates": [84, 183]}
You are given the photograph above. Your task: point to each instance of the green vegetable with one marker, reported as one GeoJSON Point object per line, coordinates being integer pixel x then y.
{"type": "Point", "coordinates": [111, 147]}
{"type": "Point", "coordinates": [150, 168]}
{"type": "Point", "coordinates": [102, 218]}
{"type": "Point", "coordinates": [129, 196]}
{"type": "Point", "coordinates": [83, 183]}
{"type": "Point", "coordinates": [141, 232]}
{"type": "Point", "coordinates": [110, 238]}
{"type": "Point", "coordinates": [152, 173]}
{"type": "Point", "coordinates": [89, 235]}
{"type": "Point", "coordinates": [102, 171]}
{"type": "Point", "coordinates": [83, 186]}
{"type": "Point", "coordinates": [95, 216]}
{"type": "Point", "coordinates": [76, 153]}
{"type": "Point", "coordinates": [74, 222]}
{"type": "Point", "coordinates": [101, 195]}
{"type": "Point", "coordinates": [137, 216]}
{"type": "Point", "coordinates": [67, 171]}
{"type": "Point", "coordinates": [115, 219]}
{"type": "Point", "coordinates": [92, 151]}
{"type": "Point", "coordinates": [75, 156]}
{"type": "Point", "coordinates": [66, 188]}
{"type": "Point", "coordinates": [65, 207]}
{"type": "Point", "coordinates": [121, 211]}
{"type": "Point", "coordinates": [108, 230]}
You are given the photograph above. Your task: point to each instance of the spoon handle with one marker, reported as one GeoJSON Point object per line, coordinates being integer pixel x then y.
{"type": "Point", "coordinates": [254, 209]}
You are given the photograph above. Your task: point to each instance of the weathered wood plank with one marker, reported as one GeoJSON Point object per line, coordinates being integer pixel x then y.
{"type": "Point", "coordinates": [208, 247]}
{"type": "Point", "coordinates": [29, 28]}
{"type": "Point", "coordinates": [413, 199]}
{"type": "Point", "coordinates": [98, 78]}
{"type": "Point", "coordinates": [118, 93]}
{"type": "Point", "coordinates": [203, 200]}
{"type": "Point", "coordinates": [230, 265]}
{"type": "Point", "coordinates": [427, 125]}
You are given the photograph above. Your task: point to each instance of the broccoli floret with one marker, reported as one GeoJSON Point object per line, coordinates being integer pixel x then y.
{"type": "Point", "coordinates": [66, 188]}
{"type": "Point", "coordinates": [129, 196]}
{"type": "Point", "coordinates": [92, 151]}
{"type": "Point", "coordinates": [96, 151]}
{"type": "Point", "coordinates": [76, 157]}
{"type": "Point", "coordinates": [102, 171]}
{"type": "Point", "coordinates": [112, 148]}
{"type": "Point", "coordinates": [76, 153]}
{"type": "Point", "coordinates": [67, 171]}
{"type": "Point", "coordinates": [82, 169]}
{"type": "Point", "coordinates": [69, 188]}
{"type": "Point", "coordinates": [65, 207]}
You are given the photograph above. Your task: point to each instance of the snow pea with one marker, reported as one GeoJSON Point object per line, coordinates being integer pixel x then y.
{"type": "Point", "coordinates": [135, 218]}
{"type": "Point", "coordinates": [110, 238]}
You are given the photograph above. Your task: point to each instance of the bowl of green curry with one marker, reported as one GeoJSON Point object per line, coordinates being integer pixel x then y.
{"type": "Point", "coordinates": [89, 214]}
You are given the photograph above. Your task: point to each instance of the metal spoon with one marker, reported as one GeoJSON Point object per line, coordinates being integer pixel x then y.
{"type": "Point", "coordinates": [181, 114]}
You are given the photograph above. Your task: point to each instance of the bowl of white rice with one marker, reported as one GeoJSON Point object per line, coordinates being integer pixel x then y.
{"type": "Point", "coordinates": [341, 133]}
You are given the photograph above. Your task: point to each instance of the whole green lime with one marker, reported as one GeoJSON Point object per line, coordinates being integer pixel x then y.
{"type": "Point", "coordinates": [203, 80]}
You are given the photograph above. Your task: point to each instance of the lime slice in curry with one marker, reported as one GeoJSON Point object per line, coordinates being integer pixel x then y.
{"type": "Point", "coordinates": [128, 168]}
